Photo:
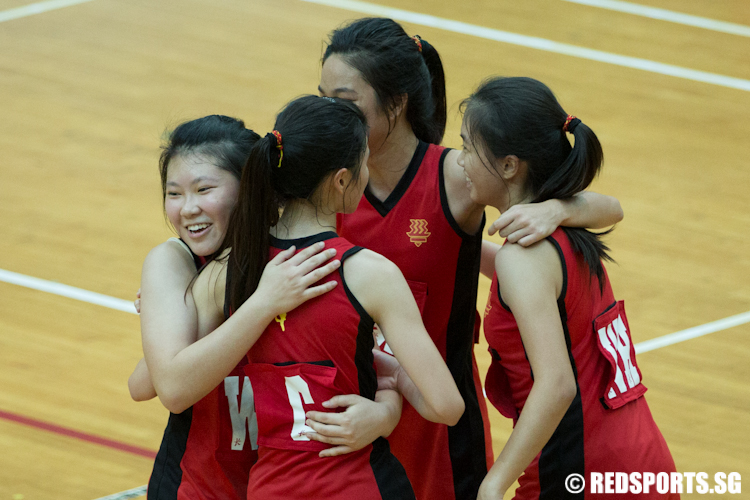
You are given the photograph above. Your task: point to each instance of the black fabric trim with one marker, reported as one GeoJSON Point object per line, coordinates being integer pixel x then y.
{"type": "Point", "coordinates": [167, 474]}
{"type": "Point", "coordinates": [390, 475]}
{"type": "Point", "coordinates": [303, 242]}
{"type": "Point", "coordinates": [363, 359]}
{"type": "Point", "coordinates": [325, 362]}
{"type": "Point", "coordinates": [383, 207]}
{"type": "Point", "coordinates": [500, 298]}
{"type": "Point", "coordinates": [466, 439]}
{"type": "Point", "coordinates": [564, 452]}
{"type": "Point", "coordinates": [564, 289]}
{"type": "Point", "coordinates": [447, 209]}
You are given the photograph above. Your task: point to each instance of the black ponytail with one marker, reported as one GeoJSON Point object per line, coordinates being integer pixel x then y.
{"type": "Point", "coordinates": [521, 117]}
{"type": "Point", "coordinates": [319, 136]}
{"type": "Point", "coordinates": [393, 64]}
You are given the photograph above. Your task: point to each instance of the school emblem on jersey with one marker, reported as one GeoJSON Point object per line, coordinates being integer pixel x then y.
{"type": "Point", "coordinates": [487, 309]}
{"type": "Point", "coordinates": [418, 232]}
{"type": "Point", "coordinates": [281, 319]}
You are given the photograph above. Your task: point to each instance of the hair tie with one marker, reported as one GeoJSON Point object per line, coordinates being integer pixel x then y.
{"type": "Point", "coordinates": [418, 40]}
{"type": "Point", "coordinates": [571, 122]}
{"type": "Point", "coordinates": [279, 146]}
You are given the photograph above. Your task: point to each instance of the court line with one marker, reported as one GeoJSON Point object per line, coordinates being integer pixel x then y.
{"type": "Point", "coordinates": [536, 43]}
{"type": "Point", "coordinates": [37, 8]}
{"type": "Point", "coordinates": [125, 495]}
{"type": "Point", "coordinates": [66, 291]}
{"type": "Point", "coordinates": [668, 15]}
{"type": "Point", "coordinates": [126, 306]}
{"type": "Point", "coordinates": [81, 436]}
{"type": "Point", "coordinates": [691, 333]}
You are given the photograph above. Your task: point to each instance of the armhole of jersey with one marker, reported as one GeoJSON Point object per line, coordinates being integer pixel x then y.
{"type": "Point", "coordinates": [564, 290]}
{"type": "Point", "coordinates": [183, 245]}
{"type": "Point", "coordinates": [357, 306]}
{"type": "Point", "coordinates": [447, 209]}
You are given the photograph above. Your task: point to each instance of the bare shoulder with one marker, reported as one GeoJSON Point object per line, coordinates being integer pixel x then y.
{"type": "Point", "coordinates": [522, 269]}
{"type": "Point", "coordinates": [169, 254]}
{"type": "Point", "coordinates": [370, 267]}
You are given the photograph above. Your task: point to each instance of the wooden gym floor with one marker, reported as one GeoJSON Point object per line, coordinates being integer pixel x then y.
{"type": "Point", "coordinates": [87, 90]}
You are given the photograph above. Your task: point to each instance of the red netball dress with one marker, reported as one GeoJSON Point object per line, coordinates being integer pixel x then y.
{"type": "Point", "coordinates": [608, 426]}
{"type": "Point", "coordinates": [320, 349]}
{"type": "Point", "coordinates": [207, 450]}
{"type": "Point", "coordinates": [415, 229]}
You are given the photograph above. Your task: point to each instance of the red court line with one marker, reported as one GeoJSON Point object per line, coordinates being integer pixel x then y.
{"type": "Point", "coordinates": [89, 438]}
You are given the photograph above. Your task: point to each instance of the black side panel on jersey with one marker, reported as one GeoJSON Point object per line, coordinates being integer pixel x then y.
{"type": "Point", "coordinates": [167, 474]}
{"type": "Point", "coordinates": [363, 360]}
{"type": "Point", "coordinates": [390, 475]}
{"type": "Point", "coordinates": [383, 207]}
{"type": "Point", "coordinates": [564, 453]}
{"type": "Point", "coordinates": [466, 438]}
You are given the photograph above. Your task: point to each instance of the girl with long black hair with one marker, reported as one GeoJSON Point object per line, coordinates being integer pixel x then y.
{"type": "Point", "coordinates": [417, 212]}
{"type": "Point", "coordinates": [564, 366]}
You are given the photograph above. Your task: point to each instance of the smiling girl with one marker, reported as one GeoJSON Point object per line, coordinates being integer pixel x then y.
{"type": "Point", "coordinates": [417, 212]}
{"type": "Point", "coordinates": [564, 366]}
{"type": "Point", "coordinates": [209, 443]}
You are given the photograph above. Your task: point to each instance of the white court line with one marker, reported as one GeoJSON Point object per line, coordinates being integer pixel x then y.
{"type": "Point", "coordinates": [66, 291]}
{"type": "Point", "coordinates": [126, 306]}
{"type": "Point", "coordinates": [691, 333]}
{"type": "Point", "coordinates": [536, 43]}
{"type": "Point", "coordinates": [124, 495]}
{"type": "Point", "coordinates": [668, 15]}
{"type": "Point", "coordinates": [37, 8]}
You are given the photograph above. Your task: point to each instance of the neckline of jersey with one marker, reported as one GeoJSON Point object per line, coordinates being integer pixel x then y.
{"type": "Point", "coordinates": [303, 242]}
{"type": "Point", "coordinates": [383, 207]}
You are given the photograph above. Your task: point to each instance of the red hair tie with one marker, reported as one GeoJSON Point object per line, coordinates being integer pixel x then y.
{"type": "Point", "coordinates": [571, 122]}
{"type": "Point", "coordinates": [418, 41]}
{"type": "Point", "coordinates": [279, 146]}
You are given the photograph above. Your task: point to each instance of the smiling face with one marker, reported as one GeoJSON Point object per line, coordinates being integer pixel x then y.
{"type": "Point", "coordinates": [199, 200]}
{"type": "Point", "coordinates": [485, 185]}
{"type": "Point", "coordinates": [338, 79]}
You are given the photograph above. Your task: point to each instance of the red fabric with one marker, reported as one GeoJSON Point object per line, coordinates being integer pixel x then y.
{"type": "Point", "coordinates": [417, 236]}
{"type": "Point", "coordinates": [625, 439]}
{"type": "Point", "coordinates": [324, 329]}
{"type": "Point", "coordinates": [211, 469]}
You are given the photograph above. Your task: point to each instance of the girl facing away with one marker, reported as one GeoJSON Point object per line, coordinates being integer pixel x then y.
{"type": "Point", "coordinates": [314, 164]}
{"type": "Point", "coordinates": [417, 212]}
{"type": "Point", "coordinates": [564, 366]}
{"type": "Point", "coordinates": [209, 443]}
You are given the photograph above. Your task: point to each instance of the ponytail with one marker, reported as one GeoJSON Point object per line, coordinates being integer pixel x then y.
{"type": "Point", "coordinates": [313, 138]}
{"type": "Point", "coordinates": [521, 117]}
{"type": "Point", "coordinates": [434, 130]}
{"type": "Point", "coordinates": [394, 64]}
{"type": "Point", "coordinates": [256, 212]}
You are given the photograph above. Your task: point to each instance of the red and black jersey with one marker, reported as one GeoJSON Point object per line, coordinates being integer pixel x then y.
{"type": "Point", "coordinates": [207, 450]}
{"type": "Point", "coordinates": [305, 357]}
{"type": "Point", "coordinates": [608, 426]}
{"type": "Point", "coordinates": [415, 229]}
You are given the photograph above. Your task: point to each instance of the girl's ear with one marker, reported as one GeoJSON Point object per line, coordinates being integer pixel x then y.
{"type": "Point", "coordinates": [508, 166]}
{"type": "Point", "coordinates": [400, 106]}
{"type": "Point", "coordinates": [340, 180]}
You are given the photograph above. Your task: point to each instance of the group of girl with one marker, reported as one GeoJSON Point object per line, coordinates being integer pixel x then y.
{"type": "Point", "coordinates": [349, 222]}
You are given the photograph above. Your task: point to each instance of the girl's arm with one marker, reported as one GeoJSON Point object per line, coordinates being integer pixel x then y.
{"type": "Point", "coordinates": [383, 292]}
{"type": "Point", "coordinates": [526, 224]}
{"type": "Point", "coordinates": [530, 282]}
{"type": "Point", "coordinates": [184, 362]}
{"type": "Point", "coordinates": [139, 383]}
